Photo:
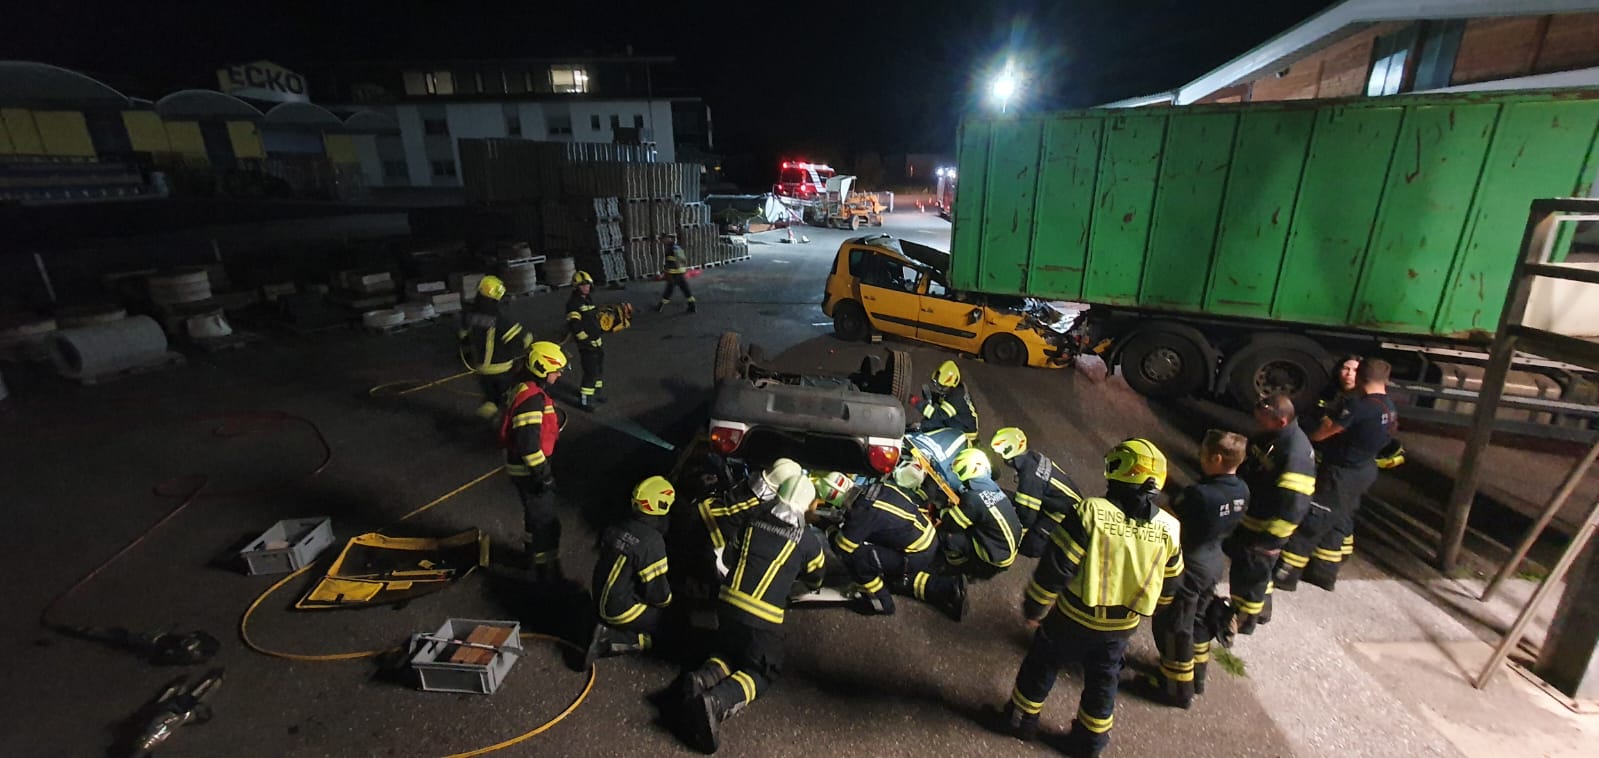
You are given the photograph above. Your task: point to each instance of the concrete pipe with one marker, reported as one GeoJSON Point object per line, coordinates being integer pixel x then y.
{"type": "Point", "coordinates": [92, 351]}
{"type": "Point", "coordinates": [183, 286]}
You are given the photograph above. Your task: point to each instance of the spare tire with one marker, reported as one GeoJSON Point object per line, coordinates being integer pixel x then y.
{"type": "Point", "coordinates": [901, 385]}
{"type": "Point", "coordinates": [729, 358]}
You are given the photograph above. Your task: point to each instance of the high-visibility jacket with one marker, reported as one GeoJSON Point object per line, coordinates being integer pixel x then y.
{"type": "Point", "coordinates": [1104, 570]}
{"type": "Point", "coordinates": [630, 575]}
{"type": "Point", "coordinates": [1281, 473]}
{"type": "Point", "coordinates": [583, 321]}
{"type": "Point", "coordinates": [888, 516]}
{"type": "Point", "coordinates": [529, 431]}
{"type": "Point", "coordinates": [1042, 489]}
{"type": "Point", "coordinates": [674, 261]}
{"type": "Point", "coordinates": [988, 518]}
{"type": "Point", "coordinates": [490, 342]}
{"type": "Point", "coordinates": [772, 555]}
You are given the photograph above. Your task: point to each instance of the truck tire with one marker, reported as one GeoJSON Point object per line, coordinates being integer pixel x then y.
{"type": "Point", "coordinates": [854, 223]}
{"type": "Point", "coordinates": [849, 321]}
{"type": "Point", "coordinates": [1166, 360]}
{"type": "Point", "coordinates": [1270, 363]}
{"type": "Point", "coordinates": [729, 358]}
{"type": "Point", "coordinates": [1005, 350]}
{"type": "Point", "coordinates": [901, 385]}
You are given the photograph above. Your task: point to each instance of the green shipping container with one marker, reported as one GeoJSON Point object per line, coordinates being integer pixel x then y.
{"type": "Point", "coordinates": [1399, 214]}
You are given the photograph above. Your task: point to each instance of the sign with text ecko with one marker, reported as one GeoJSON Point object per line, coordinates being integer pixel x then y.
{"type": "Point", "coordinates": [263, 80]}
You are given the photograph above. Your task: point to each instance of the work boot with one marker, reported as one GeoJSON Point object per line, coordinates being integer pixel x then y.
{"type": "Point", "coordinates": [1321, 574]}
{"type": "Point", "coordinates": [691, 307]}
{"type": "Point", "coordinates": [599, 397]}
{"type": "Point", "coordinates": [1264, 617]}
{"type": "Point", "coordinates": [661, 306]}
{"type": "Point", "coordinates": [1199, 679]}
{"type": "Point", "coordinates": [871, 605]}
{"type": "Point", "coordinates": [583, 402]}
{"type": "Point", "coordinates": [698, 681]}
{"type": "Point", "coordinates": [705, 716]}
{"type": "Point", "coordinates": [1243, 623]}
{"type": "Point", "coordinates": [1078, 743]}
{"type": "Point", "coordinates": [607, 642]}
{"type": "Point", "coordinates": [1179, 694]}
{"type": "Point", "coordinates": [1286, 578]}
{"type": "Point", "coordinates": [954, 603]}
{"type": "Point", "coordinates": [488, 410]}
{"type": "Point", "coordinates": [1022, 726]}
{"type": "Point", "coordinates": [548, 572]}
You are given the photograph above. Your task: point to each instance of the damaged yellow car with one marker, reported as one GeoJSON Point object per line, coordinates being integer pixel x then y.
{"type": "Point", "coordinates": [894, 286]}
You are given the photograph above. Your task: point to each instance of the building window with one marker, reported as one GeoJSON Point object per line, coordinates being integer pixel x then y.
{"type": "Point", "coordinates": [594, 122]}
{"type": "Point", "coordinates": [638, 121]}
{"type": "Point", "coordinates": [513, 126]}
{"type": "Point", "coordinates": [516, 81]}
{"type": "Point", "coordinates": [1435, 63]}
{"type": "Point", "coordinates": [444, 168]}
{"type": "Point", "coordinates": [467, 83]}
{"type": "Point", "coordinates": [441, 83]}
{"type": "Point", "coordinates": [436, 127]}
{"type": "Point", "coordinates": [560, 125]}
{"type": "Point", "coordinates": [416, 83]}
{"type": "Point", "coordinates": [569, 79]}
{"type": "Point", "coordinates": [395, 170]}
{"type": "Point", "coordinates": [494, 82]}
{"type": "Point", "coordinates": [1389, 54]}
{"type": "Point", "coordinates": [616, 122]}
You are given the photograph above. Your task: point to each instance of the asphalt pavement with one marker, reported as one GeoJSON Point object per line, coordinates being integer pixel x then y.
{"type": "Point", "coordinates": [287, 428]}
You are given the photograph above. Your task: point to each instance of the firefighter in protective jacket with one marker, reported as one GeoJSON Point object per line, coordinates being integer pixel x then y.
{"type": "Point", "coordinates": [583, 322]}
{"type": "Point", "coordinates": [888, 544]}
{"type": "Point", "coordinates": [630, 583]}
{"type": "Point", "coordinates": [492, 344]}
{"type": "Point", "coordinates": [1044, 493]}
{"type": "Point", "coordinates": [1108, 566]}
{"type": "Point", "coordinates": [528, 433]}
{"type": "Point", "coordinates": [776, 549]}
{"type": "Point", "coordinates": [676, 270]}
{"type": "Point", "coordinates": [983, 531]}
{"type": "Point", "coordinates": [1281, 473]}
{"type": "Point", "coordinates": [945, 404]}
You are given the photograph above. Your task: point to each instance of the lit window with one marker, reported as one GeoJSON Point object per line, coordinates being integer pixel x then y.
{"type": "Point", "coordinates": [416, 83]}
{"type": "Point", "coordinates": [570, 79]}
{"type": "Point", "coordinates": [441, 83]}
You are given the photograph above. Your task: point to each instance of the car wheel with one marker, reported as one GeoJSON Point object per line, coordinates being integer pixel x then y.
{"type": "Point", "coordinates": [901, 385]}
{"type": "Point", "coordinates": [849, 321]}
{"type": "Point", "coordinates": [1165, 361]}
{"type": "Point", "coordinates": [729, 358]}
{"type": "Point", "coordinates": [1005, 350]}
{"type": "Point", "coordinates": [1270, 365]}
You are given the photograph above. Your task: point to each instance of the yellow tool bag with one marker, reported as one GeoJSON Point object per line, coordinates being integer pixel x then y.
{"type": "Point", "coordinates": [615, 318]}
{"type": "Point", "coordinates": [375, 569]}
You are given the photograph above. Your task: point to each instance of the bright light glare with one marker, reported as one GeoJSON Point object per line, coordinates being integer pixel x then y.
{"type": "Point", "coordinates": [1005, 85]}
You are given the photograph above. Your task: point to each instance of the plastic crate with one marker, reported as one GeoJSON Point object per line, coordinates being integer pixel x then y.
{"type": "Point", "coordinates": [288, 545]}
{"type": "Point", "coordinates": [438, 674]}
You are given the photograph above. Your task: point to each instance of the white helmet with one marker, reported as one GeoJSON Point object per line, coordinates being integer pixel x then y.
{"type": "Point", "coordinates": [797, 495]}
{"type": "Point", "coordinates": [765, 483]}
{"type": "Point", "coordinates": [908, 473]}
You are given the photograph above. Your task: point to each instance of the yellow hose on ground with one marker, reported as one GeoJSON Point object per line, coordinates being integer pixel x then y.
{"type": "Point", "coordinates": [378, 391]}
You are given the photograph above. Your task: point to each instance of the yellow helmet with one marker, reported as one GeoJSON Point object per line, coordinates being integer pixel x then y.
{"type": "Point", "coordinates": [654, 496]}
{"type": "Point", "coordinates": [1009, 442]}
{"type": "Point", "coordinates": [972, 463]}
{"type": "Point", "coordinates": [544, 358]}
{"type": "Point", "coordinates": [491, 287]}
{"type": "Point", "coordinates": [948, 375]}
{"type": "Point", "coordinates": [1138, 462]}
{"type": "Point", "coordinates": [833, 487]}
{"type": "Point", "coordinates": [581, 278]}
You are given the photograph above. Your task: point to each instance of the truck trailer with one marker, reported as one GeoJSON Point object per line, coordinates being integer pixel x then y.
{"type": "Point", "coordinates": [1235, 249]}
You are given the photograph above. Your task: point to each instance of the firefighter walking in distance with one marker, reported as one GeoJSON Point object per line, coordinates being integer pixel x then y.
{"type": "Point", "coordinates": [630, 583]}
{"type": "Point", "coordinates": [985, 531]}
{"type": "Point", "coordinates": [1108, 566]}
{"type": "Point", "coordinates": [1044, 493]}
{"type": "Point", "coordinates": [1351, 437]}
{"type": "Point", "coordinates": [583, 322]}
{"type": "Point", "coordinates": [676, 270]}
{"type": "Point", "coordinates": [776, 549]}
{"type": "Point", "coordinates": [1280, 471]}
{"type": "Point", "coordinates": [528, 433]}
{"type": "Point", "coordinates": [888, 544]}
{"type": "Point", "coordinates": [1208, 512]}
{"type": "Point", "coordinates": [491, 344]}
{"type": "Point", "coordinates": [945, 404]}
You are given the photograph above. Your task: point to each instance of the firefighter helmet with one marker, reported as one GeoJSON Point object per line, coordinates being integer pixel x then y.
{"type": "Point", "coordinates": [948, 375]}
{"type": "Point", "coordinates": [581, 278]}
{"type": "Point", "coordinates": [491, 287]}
{"type": "Point", "coordinates": [908, 472]}
{"type": "Point", "coordinates": [797, 494]}
{"type": "Point", "coordinates": [545, 358]}
{"type": "Point", "coordinates": [1009, 442]}
{"type": "Point", "coordinates": [1137, 462]}
{"type": "Point", "coordinates": [781, 470]}
{"type": "Point", "coordinates": [833, 487]}
{"type": "Point", "coordinates": [654, 496]}
{"type": "Point", "coordinates": [972, 463]}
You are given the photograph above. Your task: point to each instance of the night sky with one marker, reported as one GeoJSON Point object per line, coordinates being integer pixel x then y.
{"type": "Point", "coordinates": [825, 79]}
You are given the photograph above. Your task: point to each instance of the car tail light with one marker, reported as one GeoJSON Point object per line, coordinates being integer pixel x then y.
{"type": "Point", "coordinates": [726, 439]}
{"type": "Point", "coordinates": [883, 457]}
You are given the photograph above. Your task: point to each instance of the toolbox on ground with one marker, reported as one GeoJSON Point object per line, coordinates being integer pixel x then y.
{"type": "Point", "coordinates": [443, 664]}
{"type": "Point", "coordinates": [289, 545]}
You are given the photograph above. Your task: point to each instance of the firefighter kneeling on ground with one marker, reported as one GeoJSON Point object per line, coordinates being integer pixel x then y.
{"type": "Point", "coordinates": [776, 549]}
{"type": "Point", "coordinates": [630, 584]}
{"type": "Point", "coordinates": [1208, 512]}
{"type": "Point", "coordinates": [945, 404]}
{"type": "Point", "coordinates": [983, 539]}
{"type": "Point", "coordinates": [583, 322]}
{"type": "Point", "coordinates": [528, 432]}
{"type": "Point", "coordinates": [1108, 566]}
{"type": "Point", "coordinates": [1044, 493]}
{"type": "Point", "coordinates": [491, 344]}
{"type": "Point", "coordinates": [888, 543]}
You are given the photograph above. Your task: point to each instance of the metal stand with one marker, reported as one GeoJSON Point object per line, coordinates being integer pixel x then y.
{"type": "Point", "coordinates": [1555, 504]}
